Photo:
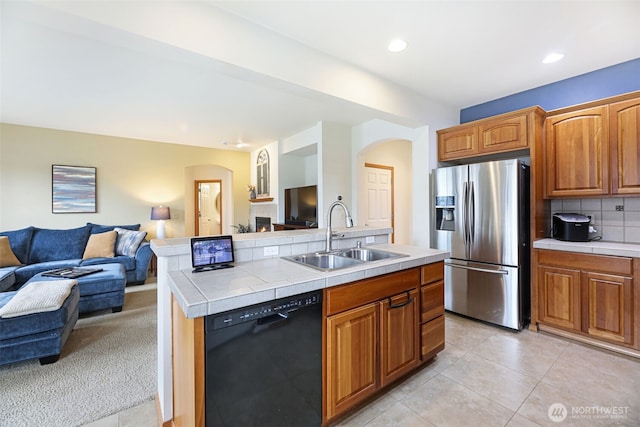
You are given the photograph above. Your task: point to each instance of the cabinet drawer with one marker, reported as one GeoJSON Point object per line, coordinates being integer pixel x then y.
{"type": "Point", "coordinates": [431, 301]}
{"type": "Point", "coordinates": [341, 298]}
{"type": "Point", "coordinates": [432, 272]}
{"type": "Point", "coordinates": [578, 261]}
{"type": "Point", "coordinates": [432, 338]}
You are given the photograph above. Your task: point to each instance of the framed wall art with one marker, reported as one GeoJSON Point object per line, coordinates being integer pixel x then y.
{"type": "Point", "coordinates": [73, 189]}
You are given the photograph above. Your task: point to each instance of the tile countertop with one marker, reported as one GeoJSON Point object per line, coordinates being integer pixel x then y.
{"type": "Point", "coordinates": [597, 247]}
{"type": "Point", "coordinates": [211, 292]}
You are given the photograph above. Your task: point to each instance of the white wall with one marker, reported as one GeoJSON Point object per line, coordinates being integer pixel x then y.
{"type": "Point", "coordinates": [334, 165]}
{"type": "Point", "coordinates": [132, 176]}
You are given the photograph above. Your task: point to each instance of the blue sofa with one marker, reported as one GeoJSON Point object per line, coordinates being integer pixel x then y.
{"type": "Point", "coordinates": [38, 335]}
{"type": "Point", "coordinates": [42, 249]}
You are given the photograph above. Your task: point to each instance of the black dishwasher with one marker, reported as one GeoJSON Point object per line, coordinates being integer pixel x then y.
{"type": "Point", "coordinates": [263, 364]}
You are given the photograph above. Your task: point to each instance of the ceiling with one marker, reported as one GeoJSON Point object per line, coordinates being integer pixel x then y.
{"type": "Point", "coordinates": [204, 73]}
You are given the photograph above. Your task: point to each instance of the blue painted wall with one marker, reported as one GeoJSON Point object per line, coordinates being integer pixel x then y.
{"type": "Point", "coordinates": [603, 83]}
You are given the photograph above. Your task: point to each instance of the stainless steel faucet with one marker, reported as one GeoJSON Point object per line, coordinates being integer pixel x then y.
{"type": "Point", "coordinates": [348, 220]}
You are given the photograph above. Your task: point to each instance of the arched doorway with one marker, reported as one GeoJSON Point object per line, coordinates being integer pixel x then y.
{"type": "Point", "coordinates": [208, 173]}
{"type": "Point", "coordinates": [384, 187]}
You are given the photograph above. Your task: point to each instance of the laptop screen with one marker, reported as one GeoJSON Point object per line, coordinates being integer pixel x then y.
{"type": "Point", "coordinates": [212, 252]}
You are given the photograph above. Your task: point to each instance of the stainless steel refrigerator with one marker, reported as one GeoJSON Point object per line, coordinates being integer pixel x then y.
{"type": "Point", "coordinates": [481, 216]}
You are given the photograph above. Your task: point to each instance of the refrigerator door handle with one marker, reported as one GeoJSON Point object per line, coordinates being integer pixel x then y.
{"type": "Point", "coordinates": [465, 214]}
{"type": "Point", "coordinates": [483, 270]}
{"type": "Point", "coordinates": [472, 215]}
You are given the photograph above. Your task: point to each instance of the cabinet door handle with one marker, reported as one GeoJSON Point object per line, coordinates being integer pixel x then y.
{"type": "Point", "coordinates": [402, 304]}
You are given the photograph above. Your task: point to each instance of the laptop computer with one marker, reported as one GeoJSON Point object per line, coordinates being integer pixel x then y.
{"type": "Point", "coordinates": [211, 253]}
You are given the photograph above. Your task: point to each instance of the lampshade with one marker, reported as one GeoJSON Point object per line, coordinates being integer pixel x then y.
{"type": "Point", "coordinates": [160, 213]}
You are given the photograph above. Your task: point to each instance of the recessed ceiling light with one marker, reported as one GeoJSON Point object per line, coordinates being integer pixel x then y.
{"type": "Point", "coordinates": [397, 45]}
{"type": "Point", "coordinates": [553, 57]}
{"type": "Point", "coordinates": [238, 144]}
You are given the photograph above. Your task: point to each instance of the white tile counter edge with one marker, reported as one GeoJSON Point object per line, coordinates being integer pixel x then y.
{"type": "Point", "coordinates": [211, 292]}
{"type": "Point", "coordinates": [594, 247]}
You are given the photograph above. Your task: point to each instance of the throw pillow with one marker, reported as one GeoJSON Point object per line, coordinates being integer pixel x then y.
{"type": "Point", "coordinates": [7, 257]}
{"type": "Point", "coordinates": [101, 245]}
{"type": "Point", "coordinates": [128, 241]}
{"type": "Point", "coordinates": [98, 228]}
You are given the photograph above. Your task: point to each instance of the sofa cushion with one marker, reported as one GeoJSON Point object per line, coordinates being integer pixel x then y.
{"type": "Point", "coordinates": [38, 297]}
{"type": "Point", "coordinates": [128, 241]}
{"type": "Point", "coordinates": [20, 241]}
{"type": "Point", "coordinates": [55, 245]}
{"type": "Point", "coordinates": [7, 257]}
{"type": "Point", "coordinates": [97, 228]}
{"type": "Point", "coordinates": [101, 245]}
{"type": "Point", "coordinates": [128, 262]}
{"type": "Point", "coordinates": [34, 324]}
{"type": "Point", "coordinates": [26, 272]}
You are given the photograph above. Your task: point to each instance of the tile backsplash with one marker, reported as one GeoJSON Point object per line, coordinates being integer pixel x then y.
{"type": "Point", "coordinates": [612, 223]}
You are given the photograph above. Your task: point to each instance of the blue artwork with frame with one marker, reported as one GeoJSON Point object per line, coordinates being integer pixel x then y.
{"type": "Point", "coordinates": [73, 189]}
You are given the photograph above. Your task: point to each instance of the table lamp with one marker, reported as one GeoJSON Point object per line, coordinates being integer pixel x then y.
{"type": "Point", "coordinates": [160, 214]}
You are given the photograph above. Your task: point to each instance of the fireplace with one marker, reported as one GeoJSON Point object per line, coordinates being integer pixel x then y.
{"type": "Point", "coordinates": [263, 223]}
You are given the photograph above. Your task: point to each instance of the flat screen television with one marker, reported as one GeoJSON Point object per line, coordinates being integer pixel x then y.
{"type": "Point", "coordinates": [301, 206]}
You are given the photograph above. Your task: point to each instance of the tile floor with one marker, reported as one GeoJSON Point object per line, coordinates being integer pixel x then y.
{"type": "Point", "coordinates": [488, 376]}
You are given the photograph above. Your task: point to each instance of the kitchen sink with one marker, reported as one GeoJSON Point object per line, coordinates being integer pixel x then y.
{"type": "Point", "coordinates": [324, 261]}
{"type": "Point", "coordinates": [329, 261]}
{"type": "Point", "coordinates": [368, 254]}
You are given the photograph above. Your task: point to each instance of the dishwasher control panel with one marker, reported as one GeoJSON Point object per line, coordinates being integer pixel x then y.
{"type": "Point", "coordinates": [259, 311]}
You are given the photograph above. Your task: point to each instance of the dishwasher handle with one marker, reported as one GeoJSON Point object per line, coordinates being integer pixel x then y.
{"type": "Point", "coordinates": [482, 270]}
{"type": "Point", "coordinates": [278, 317]}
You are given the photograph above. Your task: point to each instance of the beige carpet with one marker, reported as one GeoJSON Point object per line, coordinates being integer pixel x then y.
{"type": "Point", "coordinates": [108, 364]}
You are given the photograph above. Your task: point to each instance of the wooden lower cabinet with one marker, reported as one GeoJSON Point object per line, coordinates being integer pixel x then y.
{"type": "Point", "coordinates": [399, 336]}
{"type": "Point", "coordinates": [559, 294]}
{"type": "Point", "coordinates": [590, 295]}
{"type": "Point", "coordinates": [374, 334]}
{"type": "Point", "coordinates": [609, 307]}
{"type": "Point", "coordinates": [369, 347]}
{"type": "Point", "coordinates": [352, 341]}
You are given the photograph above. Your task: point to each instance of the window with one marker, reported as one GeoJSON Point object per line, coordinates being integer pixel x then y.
{"type": "Point", "coordinates": [262, 172]}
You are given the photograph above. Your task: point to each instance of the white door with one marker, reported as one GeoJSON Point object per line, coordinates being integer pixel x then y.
{"type": "Point", "coordinates": [379, 196]}
{"type": "Point", "coordinates": [209, 221]}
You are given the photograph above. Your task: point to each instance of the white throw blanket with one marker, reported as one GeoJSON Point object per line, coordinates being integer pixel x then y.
{"type": "Point", "coordinates": [36, 297]}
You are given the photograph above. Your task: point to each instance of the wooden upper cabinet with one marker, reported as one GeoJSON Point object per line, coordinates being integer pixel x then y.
{"type": "Point", "coordinates": [625, 147]}
{"type": "Point", "coordinates": [457, 143]}
{"type": "Point", "coordinates": [504, 135]}
{"type": "Point", "coordinates": [505, 132]}
{"type": "Point", "coordinates": [577, 153]}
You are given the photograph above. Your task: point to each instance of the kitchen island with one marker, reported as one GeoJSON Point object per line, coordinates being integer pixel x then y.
{"type": "Point", "coordinates": [186, 298]}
